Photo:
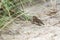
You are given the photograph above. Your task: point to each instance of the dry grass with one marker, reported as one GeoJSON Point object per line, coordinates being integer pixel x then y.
{"type": "Point", "coordinates": [11, 10]}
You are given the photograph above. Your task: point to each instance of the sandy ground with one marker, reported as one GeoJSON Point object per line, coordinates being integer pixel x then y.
{"type": "Point", "coordinates": [24, 30]}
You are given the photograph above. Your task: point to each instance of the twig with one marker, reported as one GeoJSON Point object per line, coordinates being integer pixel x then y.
{"type": "Point", "coordinates": [10, 21]}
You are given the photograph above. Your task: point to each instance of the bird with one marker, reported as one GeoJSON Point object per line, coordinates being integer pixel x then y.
{"type": "Point", "coordinates": [37, 21]}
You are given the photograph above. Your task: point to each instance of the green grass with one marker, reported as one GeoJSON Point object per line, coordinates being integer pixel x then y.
{"type": "Point", "coordinates": [10, 9]}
